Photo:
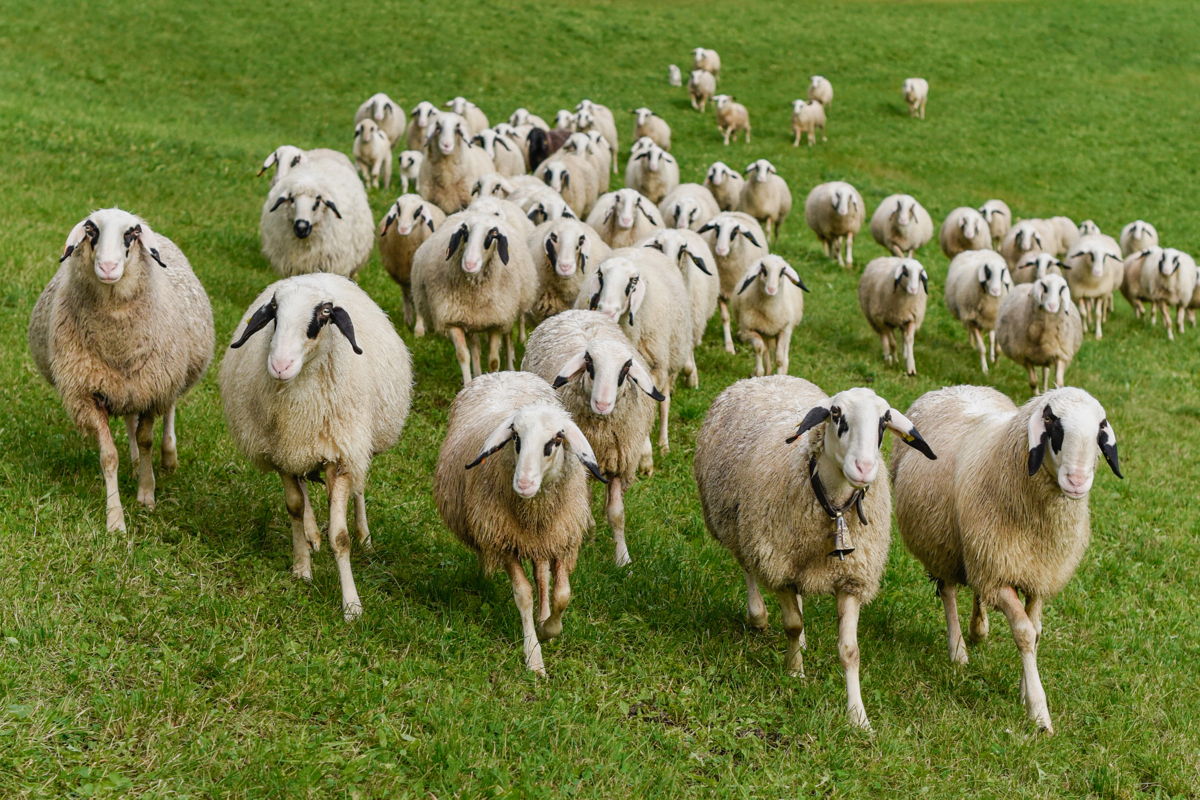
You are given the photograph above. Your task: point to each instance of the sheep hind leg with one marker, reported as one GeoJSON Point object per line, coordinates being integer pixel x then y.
{"type": "Point", "coordinates": [311, 532]}
{"type": "Point", "coordinates": [145, 442]}
{"type": "Point", "coordinates": [339, 540]}
{"type": "Point", "coordinates": [783, 344]}
{"type": "Point", "coordinates": [510, 352]}
{"type": "Point", "coordinates": [474, 345]}
{"type": "Point", "coordinates": [170, 451]}
{"type": "Point", "coordinates": [1168, 322]}
{"type": "Point", "coordinates": [847, 605]}
{"type": "Point", "coordinates": [541, 577]}
{"type": "Point", "coordinates": [756, 609]}
{"type": "Point", "coordinates": [614, 509]}
{"type": "Point", "coordinates": [910, 361]}
{"type": "Point", "coordinates": [978, 343]}
{"type": "Point", "coordinates": [296, 501]}
{"type": "Point", "coordinates": [664, 415]}
{"type": "Point", "coordinates": [523, 597]}
{"type": "Point", "coordinates": [361, 529]}
{"type": "Point", "coordinates": [109, 462]}
{"type": "Point", "coordinates": [131, 421]}
{"type": "Point", "coordinates": [793, 623]}
{"type": "Point", "coordinates": [954, 637]}
{"type": "Point", "coordinates": [760, 349]}
{"type": "Point", "coordinates": [560, 599]}
{"type": "Point", "coordinates": [1025, 635]}
{"type": "Point", "coordinates": [725, 328]}
{"type": "Point", "coordinates": [494, 342]}
{"type": "Point", "coordinates": [979, 620]}
{"type": "Point", "coordinates": [462, 352]}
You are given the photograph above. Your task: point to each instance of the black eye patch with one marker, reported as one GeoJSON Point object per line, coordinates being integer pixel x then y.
{"type": "Point", "coordinates": [516, 441]}
{"type": "Point", "coordinates": [322, 313]}
{"type": "Point", "coordinates": [132, 235]}
{"type": "Point", "coordinates": [588, 365]}
{"type": "Point", "coordinates": [550, 445]}
{"type": "Point", "coordinates": [624, 372]}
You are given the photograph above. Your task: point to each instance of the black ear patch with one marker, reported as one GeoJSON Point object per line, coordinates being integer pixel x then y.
{"type": "Point", "coordinates": [698, 261]}
{"type": "Point", "coordinates": [280, 201]}
{"type": "Point", "coordinates": [456, 239]}
{"type": "Point", "coordinates": [750, 236]}
{"type": "Point", "coordinates": [483, 456]}
{"type": "Point", "coordinates": [1052, 435]}
{"type": "Point", "coordinates": [494, 235]}
{"type": "Point", "coordinates": [550, 251]}
{"type": "Point", "coordinates": [1109, 449]}
{"type": "Point", "coordinates": [323, 314]}
{"type": "Point", "coordinates": [595, 301]}
{"type": "Point", "coordinates": [813, 418]}
{"type": "Point", "coordinates": [258, 320]}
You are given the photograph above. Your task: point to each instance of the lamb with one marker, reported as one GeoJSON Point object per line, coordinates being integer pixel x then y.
{"type": "Point", "coordinates": [451, 165]}
{"type": "Point", "coordinates": [707, 60]}
{"type": "Point", "coordinates": [1004, 509]}
{"type": "Point", "coordinates": [806, 118]}
{"type": "Point", "coordinates": [423, 114]}
{"type": "Point", "coordinates": [574, 178]}
{"type": "Point", "coordinates": [821, 90]}
{"type": "Point", "coordinates": [642, 291]}
{"type": "Point", "coordinates": [769, 303]}
{"type": "Point", "coordinates": [1138, 235]}
{"type": "Point", "coordinates": [786, 510]}
{"type": "Point", "coordinates": [591, 116]}
{"type": "Point", "coordinates": [123, 328]}
{"type": "Point", "coordinates": [624, 217]}
{"type": "Point", "coordinates": [688, 205]}
{"type": "Point", "coordinates": [386, 114]}
{"type": "Point", "coordinates": [835, 212]}
{"type": "Point", "coordinates": [701, 87]}
{"type": "Point", "coordinates": [674, 75]}
{"type": "Point", "coordinates": [404, 228]}
{"type": "Point", "coordinates": [651, 125]}
{"type": "Point", "coordinates": [765, 196]}
{"type": "Point", "coordinates": [1095, 272]}
{"type": "Point", "coordinates": [515, 504]}
{"type": "Point", "coordinates": [593, 148]}
{"type": "Point", "coordinates": [1039, 326]}
{"type": "Point", "coordinates": [305, 400]}
{"type": "Point", "coordinates": [725, 184]}
{"type": "Point", "coordinates": [410, 168]}
{"type": "Point", "coordinates": [976, 282]}
{"type": "Point", "coordinates": [1035, 265]}
{"type": "Point", "coordinates": [317, 219]}
{"type": "Point", "coordinates": [901, 225]}
{"type": "Point", "coordinates": [522, 116]}
{"type": "Point", "coordinates": [999, 220]}
{"type": "Point", "coordinates": [476, 120]}
{"type": "Point", "coordinates": [688, 251]}
{"type": "Point", "coordinates": [562, 251]}
{"type": "Point", "coordinates": [892, 294]}
{"type": "Point", "coordinates": [373, 154]}
{"type": "Point", "coordinates": [1168, 282]}
{"type": "Point", "coordinates": [731, 118]}
{"type": "Point", "coordinates": [964, 229]}
{"type": "Point", "coordinates": [474, 275]}
{"type": "Point", "coordinates": [737, 241]}
{"type": "Point", "coordinates": [1028, 236]}
{"type": "Point", "coordinates": [916, 94]}
{"type": "Point", "coordinates": [652, 171]}
{"type": "Point", "coordinates": [606, 386]}
{"type": "Point", "coordinates": [285, 157]}
{"type": "Point", "coordinates": [506, 157]}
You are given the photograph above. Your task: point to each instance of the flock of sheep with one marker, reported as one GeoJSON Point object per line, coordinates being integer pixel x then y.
{"type": "Point", "coordinates": [516, 224]}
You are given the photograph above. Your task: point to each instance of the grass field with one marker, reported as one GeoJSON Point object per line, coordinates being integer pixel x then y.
{"type": "Point", "coordinates": [181, 660]}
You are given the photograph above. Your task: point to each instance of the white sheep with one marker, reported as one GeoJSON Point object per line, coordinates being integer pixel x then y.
{"type": "Point", "coordinates": [1169, 280]}
{"type": "Point", "coordinates": [736, 241]}
{"type": "Point", "coordinates": [523, 116]}
{"type": "Point", "coordinates": [545, 205]}
{"type": "Point", "coordinates": [688, 205]}
{"type": "Point", "coordinates": [410, 168]}
{"type": "Point", "coordinates": [524, 502]}
{"type": "Point", "coordinates": [624, 217]}
{"type": "Point", "coordinates": [766, 196]}
{"type": "Point", "coordinates": [606, 386]}
{"type": "Point", "coordinates": [688, 251]}
{"type": "Point", "coordinates": [916, 94]}
{"type": "Point", "coordinates": [476, 120]}
{"type": "Point", "coordinates": [820, 90]}
{"type": "Point", "coordinates": [976, 282]}
{"type": "Point", "coordinates": [893, 293]}
{"type": "Point", "coordinates": [964, 229]}
{"type": "Point", "coordinates": [1066, 231]}
{"type": "Point", "coordinates": [285, 157]}
{"type": "Point", "coordinates": [422, 116]}
{"type": "Point", "coordinates": [372, 154]}
{"type": "Point", "coordinates": [597, 151]}
{"type": "Point", "coordinates": [1095, 270]}
{"type": "Point", "coordinates": [1034, 265]}
{"type": "Point", "coordinates": [806, 119]}
{"type": "Point", "coordinates": [652, 171]}
{"type": "Point", "coordinates": [901, 225]}
{"type": "Point", "coordinates": [506, 156]}
{"type": "Point", "coordinates": [1089, 228]}
{"type": "Point", "coordinates": [999, 220]}
{"type": "Point", "coordinates": [123, 328]}
{"type": "Point", "coordinates": [1138, 235]}
{"type": "Point", "coordinates": [452, 164]}
{"type": "Point", "coordinates": [1039, 326]}
{"type": "Point", "coordinates": [574, 178]}
{"type": "Point", "coordinates": [791, 482]}
{"type": "Point", "coordinates": [592, 116]}
{"type": "Point", "coordinates": [647, 123]}
{"type": "Point", "coordinates": [386, 113]}
{"type": "Point", "coordinates": [707, 60]}
{"type": "Point", "coordinates": [407, 224]}
{"type": "Point", "coordinates": [768, 305]}
{"type": "Point", "coordinates": [323, 391]}
{"type": "Point", "coordinates": [835, 212]}
{"type": "Point", "coordinates": [563, 251]}
{"type": "Point", "coordinates": [1004, 510]}
{"type": "Point", "coordinates": [674, 75]}
{"type": "Point", "coordinates": [732, 117]}
{"type": "Point", "coordinates": [725, 183]}
{"type": "Point", "coordinates": [1028, 236]}
{"type": "Point", "coordinates": [701, 87]}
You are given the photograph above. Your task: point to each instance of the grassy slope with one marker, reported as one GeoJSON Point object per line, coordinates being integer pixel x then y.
{"type": "Point", "coordinates": [181, 659]}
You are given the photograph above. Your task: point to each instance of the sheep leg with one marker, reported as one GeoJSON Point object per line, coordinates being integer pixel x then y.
{"type": "Point", "coordinates": [1033, 381]}
{"type": "Point", "coordinates": [510, 351]}
{"type": "Point", "coordinates": [131, 421]}
{"type": "Point", "coordinates": [1033, 610]}
{"type": "Point", "coordinates": [825, 247]}
{"type": "Point", "coordinates": [1180, 317]}
{"type": "Point", "coordinates": [494, 341]}
{"type": "Point", "coordinates": [170, 452]}
{"type": "Point", "coordinates": [409, 309]}
{"type": "Point", "coordinates": [614, 508]}
{"type": "Point", "coordinates": [145, 441]}
{"type": "Point", "coordinates": [746, 135]}
{"type": "Point", "coordinates": [725, 325]}
{"type": "Point", "coordinates": [910, 361]}
{"type": "Point", "coordinates": [848, 654]}
{"type": "Point", "coordinates": [954, 637]}
{"type": "Point", "coordinates": [1098, 316]}
{"type": "Point", "coordinates": [760, 349]}
{"type": "Point", "coordinates": [886, 339]}
{"type": "Point", "coordinates": [552, 627]}
{"type": "Point", "coordinates": [756, 609]}
{"type": "Point", "coordinates": [979, 620]}
{"type": "Point", "coordinates": [726, 132]}
{"type": "Point", "coordinates": [849, 249]}
{"type": "Point", "coordinates": [387, 172]}
{"type": "Point", "coordinates": [796, 142]}
{"type": "Point", "coordinates": [978, 343]}
{"type": "Point", "coordinates": [646, 461]}
{"type": "Point", "coordinates": [109, 461]}
{"type": "Point", "coordinates": [793, 623]}
{"type": "Point", "coordinates": [664, 412]}
{"type": "Point", "coordinates": [296, 502]}
{"type": "Point", "coordinates": [461, 351]}
{"type": "Point", "coordinates": [523, 597]}
{"type": "Point", "coordinates": [360, 521]}
{"type": "Point", "coordinates": [1167, 322]}
{"type": "Point", "coordinates": [1046, 378]}
{"type": "Point", "coordinates": [541, 576]}
{"type": "Point", "coordinates": [474, 343]}
{"type": "Point", "coordinates": [311, 532]}
{"type": "Point", "coordinates": [783, 343]}
{"type": "Point", "coordinates": [1025, 635]}
{"type": "Point", "coordinates": [338, 483]}
{"type": "Point", "coordinates": [693, 374]}
{"type": "Point", "coordinates": [992, 343]}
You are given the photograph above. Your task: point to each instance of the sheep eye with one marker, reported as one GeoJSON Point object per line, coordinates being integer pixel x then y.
{"type": "Point", "coordinates": [550, 445]}
{"type": "Point", "coordinates": [633, 282]}
{"type": "Point", "coordinates": [326, 310]}
{"type": "Point", "coordinates": [588, 365]}
{"type": "Point", "coordinates": [516, 441]}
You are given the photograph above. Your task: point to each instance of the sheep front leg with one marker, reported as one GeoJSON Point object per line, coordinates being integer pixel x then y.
{"type": "Point", "coordinates": [1098, 316]}
{"type": "Point", "coordinates": [1180, 317]}
{"type": "Point", "coordinates": [523, 597]}
{"type": "Point", "coordinates": [1167, 322]}
{"type": "Point", "coordinates": [756, 609]}
{"type": "Point", "coordinates": [360, 521]}
{"type": "Point", "coordinates": [461, 351]}
{"type": "Point", "coordinates": [1033, 380]}
{"type": "Point", "coordinates": [474, 347]}
{"type": "Point", "coordinates": [311, 532]}
{"type": "Point", "coordinates": [541, 576]}
{"type": "Point", "coordinates": [295, 500]}
{"type": "Point", "coordinates": [170, 451]}
{"type": "Point", "coordinates": [387, 172]}
{"type": "Point", "coordinates": [783, 344]}
{"type": "Point", "coordinates": [646, 459]}
{"type": "Point", "coordinates": [978, 343]}
{"type": "Point", "coordinates": [1025, 635]}
{"type": "Point", "coordinates": [992, 343]}
{"type": "Point", "coordinates": [954, 637]}
{"type": "Point", "coordinates": [725, 325]}
{"type": "Point", "coordinates": [979, 620]}
{"type": "Point", "coordinates": [693, 374]}
{"type": "Point", "coordinates": [848, 653]}
{"type": "Point", "coordinates": [849, 249]}
{"type": "Point", "coordinates": [665, 385]}
{"type": "Point", "coordinates": [510, 352]}
{"type": "Point", "coordinates": [614, 508]}
{"type": "Point", "coordinates": [910, 361]}
{"type": "Point", "coordinates": [796, 142]}
{"type": "Point", "coordinates": [338, 483]}
{"type": "Point", "coordinates": [793, 623]}
{"type": "Point", "coordinates": [494, 342]}
{"type": "Point", "coordinates": [1060, 369]}
{"type": "Point", "coordinates": [1033, 610]}
{"type": "Point", "coordinates": [145, 442]}
{"type": "Point", "coordinates": [552, 626]}
{"type": "Point", "coordinates": [885, 338]}
{"type": "Point", "coordinates": [109, 461]}
{"type": "Point", "coordinates": [760, 349]}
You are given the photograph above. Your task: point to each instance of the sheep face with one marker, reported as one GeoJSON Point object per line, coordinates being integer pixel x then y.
{"type": "Point", "coordinates": [617, 290]}
{"type": "Point", "coordinates": [797, 107]}
{"type": "Point", "coordinates": [492, 185]}
{"type": "Point", "coordinates": [410, 161]}
{"type": "Point", "coordinates": [718, 173]}
{"type": "Point", "coordinates": [366, 130]}
{"type": "Point", "coordinates": [969, 226]}
{"type": "Point", "coordinates": [655, 157]}
{"type": "Point", "coordinates": [642, 115]}
{"type": "Point", "coordinates": [446, 133]}
{"type": "Point", "coordinates": [910, 277]}
{"type": "Point", "coordinates": [602, 370]}
{"type": "Point", "coordinates": [519, 117]}
{"type": "Point", "coordinates": [642, 145]}
{"type": "Point", "coordinates": [1027, 238]}
{"type": "Point", "coordinates": [1088, 228]}
{"type": "Point", "coordinates": [628, 204]}
{"type": "Point", "coordinates": [1097, 255]}
{"type": "Point", "coordinates": [728, 230]}
{"type": "Point", "coordinates": [578, 143]}
{"type": "Point", "coordinates": [381, 106]}
{"type": "Point", "coordinates": [539, 434]}
{"type": "Point", "coordinates": [556, 175]}
{"type": "Point", "coordinates": [423, 113]}
{"type": "Point", "coordinates": [674, 246]}
{"type": "Point", "coordinates": [584, 120]}
{"type": "Point", "coordinates": [994, 278]}
{"type": "Point", "coordinates": [1067, 434]}
{"type": "Point", "coordinates": [770, 272]}
{"type": "Point", "coordinates": [564, 119]}
{"type": "Point", "coordinates": [684, 212]}
{"type": "Point", "coordinates": [1051, 293]}
{"type": "Point", "coordinates": [548, 209]}
{"type": "Point", "coordinates": [760, 170]}
{"type": "Point", "coordinates": [407, 214]}
{"type": "Point", "coordinates": [283, 159]}
{"type": "Point", "coordinates": [905, 211]}
{"type": "Point", "coordinates": [104, 241]}
{"type": "Point", "coordinates": [459, 105]}
{"type": "Point", "coordinates": [843, 201]}
{"type": "Point", "coordinates": [308, 211]}
{"type": "Point", "coordinates": [722, 101]}
{"type": "Point", "coordinates": [478, 239]}
{"type": "Point", "coordinates": [1040, 263]}
{"type": "Point", "coordinates": [486, 140]}
{"type": "Point", "coordinates": [567, 254]}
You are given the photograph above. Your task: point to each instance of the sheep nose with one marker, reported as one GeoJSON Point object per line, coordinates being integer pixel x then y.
{"type": "Point", "coordinates": [404, 230]}
{"type": "Point", "coordinates": [722, 251]}
{"type": "Point", "coordinates": [281, 368]}
{"type": "Point", "coordinates": [566, 268]}
{"type": "Point", "coordinates": [471, 265]}
{"type": "Point", "coordinates": [626, 222]}
{"type": "Point", "coordinates": [526, 487]}
{"type": "Point", "coordinates": [302, 228]}
{"type": "Point", "coordinates": [772, 290]}
{"type": "Point", "coordinates": [603, 406]}
{"type": "Point", "coordinates": [863, 469]}
{"type": "Point", "coordinates": [108, 271]}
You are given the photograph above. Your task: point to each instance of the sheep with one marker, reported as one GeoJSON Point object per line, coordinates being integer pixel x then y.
{"type": "Point", "coordinates": [1138, 235]}
{"type": "Point", "coordinates": [688, 205]}
{"type": "Point", "coordinates": [593, 148]}
{"type": "Point", "coordinates": [736, 241]}
{"type": "Point", "coordinates": [1035, 265]}
{"type": "Point", "coordinates": [674, 75]}
{"type": "Point", "coordinates": [518, 137]}
{"type": "Point", "coordinates": [1039, 326]}
{"type": "Point", "coordinates": [789, 478]}
{"type": "Point", "coordinates": [976, 282]}
{"type": "Point", "coordinates": [688, 251]}
{"type": "Point", "coordinates": [547, 205]}
{"type": "Point", "coordinates": [707, 60]}
{"type": "Point", "coordinates": [806, 118]}
{"type": "Point", "coordinates": [404, 228]}
{"type": "Point", "coordinates": [916, 94]}
{"type": "Point", "coordinates": [701, 87]}
{"type": "Point", "coordinates": [410, 168]}
{"type": "Point", "coordinates": [964, 229]}
{"type": "Point", "coordinates": [123, 328]}
{"type": "Point", "coordinates": [317, 219]}
{"type": "Point", "coordinates": [574, 178]}
{"type": "Point", "coordinates": [766, 196]}
{"type": "Point", "coordinates": [506, 210]}
{"type": "Point", "coordinates": [624, 217]}
{"type": "Point", "coordinates": [1169, 280]}
{"type": "Point", "coordinates": [474, 275]}
{"type": "Point", "coordinates": [527, 502]}
{"type": "Point", "coordinates": [1131, 282]}
{"type": "Point", "coordinates": [522, 116]}
{"type": "Point", "coordinates": [476, 120]}
{"type": "Point", "coordinates": [386, 113]}
{"type": "Point", "coordinates": [731, 118]}
{"type": "Point", "coordinates": [603, 381]}
{"type": "Point", "coordinates": [1095, 271]}
{"type": "Point", "coordinates": [1004, 509]}
{"type": "Point", "coordinates": [647, 123]}
{"type": "Point", "coordinates": [305, 400]}
{"type": "Point", "coordinates": [451, 165]}
{"type": "Point", "coordinates": [421, 116]}
{"type": "Point", "coordinates": [1028, 236]}
{"type": "Point", "coordinates": [999, 220]}
{"type": "Point", "coordinates": [1089, 228]}
{"type": "Point", "coordinates": [652, 171]}
{"type": "Point", "coordinates": [591, 116]}
{"type": "Point", "coordinates": [506, 157]}
{"type": "Point", "coordinates": [821, 90]}
{"type": "Point", "coordinates": [901, 225]}
{"type": "Point", "coordinates": [768, 304]}
{"type": "Point", "coordinates": [892, 294]}
{"type": "Point", "coordinates": [725, 184]}
{"type": "Point", "coordinates": [563, 249]}
{"type": "Point", "coordinates": [642, 291]}
{"type": "Point", "coordinates": [1067, 232]}
{"type": "Point", "coordinates": [835, 212]}
{"type": "Point", "coordinates": [285, 157]}
{"type": "Point", "coordinates": [373, 154]}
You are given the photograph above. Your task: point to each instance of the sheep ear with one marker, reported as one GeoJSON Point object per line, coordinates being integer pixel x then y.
{"type": "Point", "coordinates": [329, 204]}
{"type": "Point", "coordinates": [750, 275]}
{"type": "Point", "coordinates": [494, 235]}
{"type": "Point", "coordinates": [1044, 429]}
{"type": "Point", "coordinates": [1107, 439]}
{"type": "Point", "coordinates": [749, 235]}
{"type": "Point", "coordinates": [794, 277]}
{"type": "Point", "coordinates": [899, 424]}
{"type": "Point", "coordinates": [813, 418]}
{"type": "Point", "coordinates": [341, 318]}
{"type": "Point", "coordinates": [551, 253]}
{"type": "Point", "coordinates": [582, 450]}
{"type": "Point", "coordinates": [149, 242]}
{"type": "Point", "coordinates": [500, 141]}
{"type": "Point", "coordinates": [258, 320]}
{"type": "Point", "coordinates": [570, 370]}
{"type": "Point", "coordinates": [642, 377]}
{"type": "Point", "coordinates": [706, 227]}
{"type": "Point", "coordinates": [74, 239]}
{"type": "Point", "coordinates": [699, 262]}
{"type": "Point", "coordinates": [925, 281]}
{"type": "Point", "coordinates": [636, 296]}
{"type": "Point", "coordinates": [456, 239]}
{"type": "Point", "coordinates": [496, 441]}
{"type": "Point", "coordinates": [271, 161]}
{"type": "Point", "coordinates": [280, 201]}
{"type": "Point", "coordinates": [358, 130]}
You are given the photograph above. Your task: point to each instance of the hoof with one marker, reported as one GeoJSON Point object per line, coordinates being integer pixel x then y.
{"type": "Point", "coordinates": [352, 611]}
{"type": "Point", "coordinates": [302, 573]}
{"type": "Point", "coordinates": [550, 630]}
{"type": "Point", "coordinates": [757, 623]}
{"type": "Point", "coordinates": [117, 525]}
{"type": "Point", "coordinates": [146, 499]}
{"type": "Point", "coordinates": [170, 462]}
